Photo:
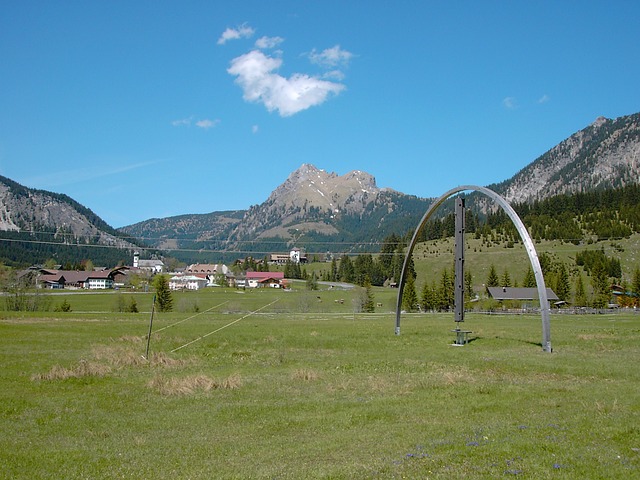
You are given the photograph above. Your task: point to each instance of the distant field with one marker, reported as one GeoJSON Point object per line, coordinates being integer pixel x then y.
{"type": "Point", "coordinates": [306, 388]}
{"type": "Point", "coordinates": [430, 258]}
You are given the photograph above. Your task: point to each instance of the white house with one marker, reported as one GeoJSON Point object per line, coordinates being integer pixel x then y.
{"type": "Point", "coordinates": [187, 282]}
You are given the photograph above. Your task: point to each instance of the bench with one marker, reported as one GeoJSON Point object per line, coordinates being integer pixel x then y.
{"type": "Point", "coordinates": [462, 336]}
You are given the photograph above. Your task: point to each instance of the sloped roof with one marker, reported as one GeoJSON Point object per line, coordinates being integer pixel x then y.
{"type": "Point", "coordinates": [261, 276]}
{"type": "Point", "coordinates": [519, 293]}
{"type": "Point", "coordinates": [75, 276]}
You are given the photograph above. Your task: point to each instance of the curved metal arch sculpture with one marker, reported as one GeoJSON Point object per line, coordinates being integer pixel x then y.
{"type": "Point", "coordinates": [524, 235]}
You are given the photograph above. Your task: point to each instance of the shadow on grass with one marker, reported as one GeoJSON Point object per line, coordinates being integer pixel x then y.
{"type": "Point", "coordinates": [518, 340]}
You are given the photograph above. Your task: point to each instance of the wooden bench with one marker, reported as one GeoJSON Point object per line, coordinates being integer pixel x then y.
{"type": "Point", "coordinates": [462, 336]}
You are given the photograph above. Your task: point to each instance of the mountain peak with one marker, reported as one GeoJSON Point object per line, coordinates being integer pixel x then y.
{"type": "Point", "coordinates": [603, 155]}
{"type": "Point", "coordinates": [598, 122]}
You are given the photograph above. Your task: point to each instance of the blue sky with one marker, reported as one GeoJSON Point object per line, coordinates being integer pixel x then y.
{"type": "Point", "coordinates": [145, 109]}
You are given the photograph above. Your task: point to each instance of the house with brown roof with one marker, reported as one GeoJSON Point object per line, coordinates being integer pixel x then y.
{"type": "Point", "coordinates": [265, 279]}
{"type": "Point", "coordinates": [77, 279]}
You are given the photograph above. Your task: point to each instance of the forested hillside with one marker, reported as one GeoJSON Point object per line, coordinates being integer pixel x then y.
{"type": "Point", "coordinates": [583, 237]}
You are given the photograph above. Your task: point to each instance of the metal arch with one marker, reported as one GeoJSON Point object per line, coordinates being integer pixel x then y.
{"type": "Point", "coordinates": [524, 235]}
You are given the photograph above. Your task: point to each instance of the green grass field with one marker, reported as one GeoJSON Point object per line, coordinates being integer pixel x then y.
{"type": "Point", "coordinates": [306, 388]}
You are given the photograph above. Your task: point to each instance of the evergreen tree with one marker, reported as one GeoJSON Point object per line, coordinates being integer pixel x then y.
{"type": "Point", "coordinates": [396, 267]}
{"type": "Point", "coordinates": [346, 271]}
{"type": "Point", "coordinates": [468, 285]}
{"type": "Point", "coordinates": [164, 299]}
{"type": "Point", "coordinates": [529, 279]}
{"type": "Point", "coordinates": [447, 290]}
{"type": "Point", "coordinates": [563, 285]}
{"type": "Point", "coordinates": [600, 284]}
{"type": "Point", "coordinates": [368, 305]}
{"type": "Point", "coordinates": [581, 295]}
{"type": "Point", "coordinates": [389, 246]}
{"type": "Point", "coordinates": [492, 279]}
{"type": "Point", "coordinates": [635, 283]}
{"type": "Point", "coordinates": [363, 267]}
{"type": "Point", "coordinates": [312, 281]}
{"type": "Point", "coordinates": [428, 299]}
{"type": "Point", "coordinates": [333, 273]}
{"type": "Point", "coordinates": [409, 297]}
{"type": "Point", "coordinates": [506, 279]}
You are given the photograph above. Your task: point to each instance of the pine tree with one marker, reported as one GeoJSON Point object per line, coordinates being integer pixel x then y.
{"type": "Point", "coordinates": [581, 295]}
{"type": "Point", "coordinates": [563, 286]}
{"type": "Point", "coordinates": [368, 305]}
{"type": "Point", "coordinates": [506, 279]}
{"type": "Point", "coordinates": [447, 290]}
{"type": "Point", "coordinates": [427, 299]}
{"type": "Point", "coordinates": [468, 285]}
{"type": "Point", "coordinates": [312, 281]}
{"type": "Point", "coordinates": [346, 270]}
{"type": "Point", "coordinates": [164, 300]}
{"type": "Point", "coordinates": [409, 297]}
{"type": "Point", "coordinates": [333, 275]}
{"type": "Point", "coordinates": [600, 283]}
{"type": "Point", "coordinates": [529, 279]}
{"type": "Point", "coordinates": [635, 284]}
{"type": "Point", "coordinates": [492, 279]}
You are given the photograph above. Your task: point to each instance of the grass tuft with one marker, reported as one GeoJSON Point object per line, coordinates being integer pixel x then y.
{"type": "Point", "coordinates": [81, 370]}
{"type": "Point", "coordinates": [192, 384]}
{"type": "Point", "coordinates": [305, 374]}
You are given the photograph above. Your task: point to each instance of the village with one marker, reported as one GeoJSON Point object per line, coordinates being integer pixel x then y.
{"type": "Point", "coordinates": [194, 277]}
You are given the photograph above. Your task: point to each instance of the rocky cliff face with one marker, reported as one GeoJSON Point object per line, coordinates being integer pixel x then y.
{"type": "Point", "coordinates": [606, 154]}
{"type": "Point", "coordinates": [27, 210]}
{"type": "Point", "coordinates": [310, 199]}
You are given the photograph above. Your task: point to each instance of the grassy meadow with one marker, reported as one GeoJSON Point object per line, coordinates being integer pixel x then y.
{"type": "Point", "coordinates": [291, 385]}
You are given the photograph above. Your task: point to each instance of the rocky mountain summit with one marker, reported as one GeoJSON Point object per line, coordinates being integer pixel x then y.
{"type": "Point", "coordinates": [606, 154]}
{"type": "Point", "coordinates": [310, 199]}
{"type": "Point", "coordinates": [26, 210]}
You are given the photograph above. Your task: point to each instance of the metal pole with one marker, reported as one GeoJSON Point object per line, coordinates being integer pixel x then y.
{"type": "Point", "coordinates": [459, 263]}
{"type": "Point", "coordinates": [153, 307]}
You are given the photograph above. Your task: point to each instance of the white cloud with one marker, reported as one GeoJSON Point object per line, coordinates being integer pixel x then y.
{"type": "Point", "coordinates": [182, 122]}
{"type": "Point", "coordinates": [206, 123]}
{"type": "Point", "coordinates": [255, 74]}
{"type": "Point", "coordinates": [331, 57]}
{"type": "Point", "coordinates": [544, 98]}
{"type": "Point", "coordinates": [254, 129]}
{"type": "Point", "coordinates": [243, 31]}
{"type": "Point", "coordinates": [334, 75]}
{"type": "Point", "coordinates": [510, 103]}
{"type": "Point", "coordinates": [268, 42]}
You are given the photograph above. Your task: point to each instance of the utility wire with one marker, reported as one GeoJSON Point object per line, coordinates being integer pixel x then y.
{"type": "Point", "coordinates": [223, 327]}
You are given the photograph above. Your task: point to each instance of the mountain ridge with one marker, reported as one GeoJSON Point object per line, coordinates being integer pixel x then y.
{"type": "Point", "coordinates": [316, 207]}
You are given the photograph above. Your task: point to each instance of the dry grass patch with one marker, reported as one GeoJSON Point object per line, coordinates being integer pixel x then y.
{"type": "Point", "coordinates": [452, 375]}
{"type": "Point", "coordinates": [118, 356]}
{"type": "Point", "coordinates": [107, 358]}
{"type": "Point", "coordinates": [305, 374]}
{"type": "Point", "coordinates": [192, 384]}
{"type": "Point", "coordinates": [81, 370]}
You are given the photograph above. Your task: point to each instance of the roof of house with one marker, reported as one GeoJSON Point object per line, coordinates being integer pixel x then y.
{"type": "Point", "coordinates": [75, 276]}
{"type": "Point", "coordinates": [519, 293]}
{"type": "Point", "coordinates": [189, 278]}
{"type": "Point", "coordinates": [260, 276]}
{"type": "Point", "coordinates": [207, 268]}
{"type": "Point", "coordinates": [150, 263]}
